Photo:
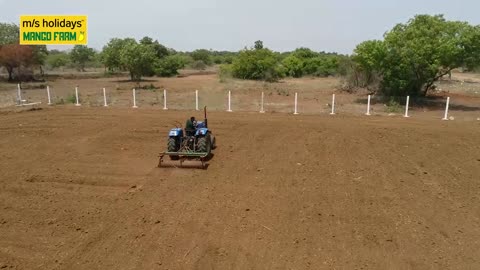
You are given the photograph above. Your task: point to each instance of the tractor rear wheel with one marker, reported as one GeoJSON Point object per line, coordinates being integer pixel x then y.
{"type": "Point", "coordinates": [172, 147]}
{"type": "Point", "coordinates": [204, 144]}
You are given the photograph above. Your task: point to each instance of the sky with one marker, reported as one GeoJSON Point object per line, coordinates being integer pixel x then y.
{"type": "Point", "coordinates": [282, 25]}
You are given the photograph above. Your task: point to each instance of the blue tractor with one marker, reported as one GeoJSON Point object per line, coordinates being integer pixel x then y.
{"type": "Point", "coordinates": [189, 145]}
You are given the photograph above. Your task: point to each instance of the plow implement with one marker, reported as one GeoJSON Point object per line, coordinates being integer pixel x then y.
{"type": "Point", "coordinates": [183, 160]}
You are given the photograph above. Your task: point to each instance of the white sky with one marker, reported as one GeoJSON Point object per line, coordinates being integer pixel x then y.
{"type": "Point", "coordinates": [231, 25]}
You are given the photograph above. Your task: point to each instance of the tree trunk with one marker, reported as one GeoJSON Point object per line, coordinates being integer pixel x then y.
{"type": "Point", "coordinates": [10, 73]}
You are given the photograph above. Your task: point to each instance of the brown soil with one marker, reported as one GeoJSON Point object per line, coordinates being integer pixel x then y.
{"type": "Point", "coordinates": [79, 189]}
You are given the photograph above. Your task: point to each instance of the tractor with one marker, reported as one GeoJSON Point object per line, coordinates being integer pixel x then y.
{"type": "Point", "coordinates": [189, 146]}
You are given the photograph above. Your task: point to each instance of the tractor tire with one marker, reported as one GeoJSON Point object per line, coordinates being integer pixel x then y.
{"type": "Point", "coordinates": [204, 145]}
{"type": "Point", "coordinates": [172, 147]}
{"type": "Point", "coordinates": [214, 143]}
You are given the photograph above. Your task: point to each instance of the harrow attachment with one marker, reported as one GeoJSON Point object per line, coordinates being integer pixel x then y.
{"type": "Point", "coordinates": [183, 160]}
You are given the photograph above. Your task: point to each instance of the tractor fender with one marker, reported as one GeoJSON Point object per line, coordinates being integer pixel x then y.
{"type": "Point", "coordinates": [202, 132]}
{"type": "Point", "coordinates": [175, 132]}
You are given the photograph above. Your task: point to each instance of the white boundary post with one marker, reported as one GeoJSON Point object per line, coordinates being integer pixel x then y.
{"type": "Point", "coordinates": [446, 109]}
{"type": "Point", "coordinates": [406, 107]}
{"type": "Point", "coordinates": [333, 104]}
{"type": "Point", "coordinates": [261, 106]}
{"type": "Point", "coordinates": [134, 99]}
{"type": "Point", "coordinates": [296, 104]}
{"type": "Point", "coordinates": [19, 94]}
{"type": "Point", "coordinates": [165, 99]}
{"type": "Point", "coordinates": [196, 100]}
{"type": "Point", "coordinates": [76, 97]}
{"type": "Point", "coordinates": [368, 106]}
{"type": "Point", "coordinates": [229, 101]}
{"type": "Point", "coordinates": [48, 95]}
{"type": "Point", "coordinates": [104, 98]}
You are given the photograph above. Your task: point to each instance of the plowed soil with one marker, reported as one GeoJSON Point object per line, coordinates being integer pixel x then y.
{"type": "Point", "coordinates": [79, 189]}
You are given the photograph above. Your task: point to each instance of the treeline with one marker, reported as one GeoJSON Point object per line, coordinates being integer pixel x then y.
{"type": "Point", "coordinates": [408, 61]}
{"type": "Point", "coordinates": [147, 57]}
{"type": "Point", "coordinates": [260, 63]}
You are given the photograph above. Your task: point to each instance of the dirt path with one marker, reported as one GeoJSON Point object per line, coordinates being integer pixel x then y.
{"type": "Point", "coordinates": [79, 190]}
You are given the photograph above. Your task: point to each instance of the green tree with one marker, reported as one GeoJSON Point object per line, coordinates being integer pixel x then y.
{"type": "Point", "coordinates": [111, 53]}
{"type": "Point", "coordinates": [257, 64]}
{"type": "Point", "coordinates": [293, 66]}
{"type": "Point", "coordinates": [160, 50]}
{"type": "Point", "coordinates": [202, 55]}
{"type": "Point", "coordinates": [57, 60]}
{"type": "Point", "coordinates": [138, 59]}
{"type": "Point", "coordinates": [413, 56]}
{"type": "Point", "coordinates": [304, 53]}
{"type": "Point", "coordinates": [39, 56]}
{"type": "Point", "coordinates": [80, 55]}
{"type": "Point", "coordinates": [169, 66]}
{"type": "Point", "coordinates": [258, 45]}
{"type": "Point", "coordinates": [9, 34]}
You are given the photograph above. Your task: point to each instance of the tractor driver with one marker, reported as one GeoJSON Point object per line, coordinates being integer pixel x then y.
{"type": "Point", "coordinates": [190, 126]}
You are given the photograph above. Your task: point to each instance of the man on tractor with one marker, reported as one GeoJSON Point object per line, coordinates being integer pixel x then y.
{"type": "Point", "coordinates": [190, 126]}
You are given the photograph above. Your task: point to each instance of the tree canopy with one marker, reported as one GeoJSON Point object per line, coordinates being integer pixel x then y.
{"type": "Point", "coordinates": [81, 54]}
{"type": "Point", "coordinates": [414, 55]}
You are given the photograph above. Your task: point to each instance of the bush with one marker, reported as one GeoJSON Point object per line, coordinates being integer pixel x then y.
{"type": "Point", "coordinates": [225, 72]}
{"type": "Point", "coordinates": [202, 55]}
{"type": "Point", "coordinates": [257, 64]}
{"type": "Point", "coordinates": [169, 66]}
{"type": "Point", "coordinates": [293, 66]}
{"type": "Point", "coordinates": [393, 106]}
{"type": "Point", "coordinates": [71, 99]}
{"type": "Point", "coordinates": [198, 65]}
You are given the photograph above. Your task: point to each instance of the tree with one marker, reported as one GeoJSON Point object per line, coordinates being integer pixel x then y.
{"type": "Point", "coordinates": [169, 66]}
{"type": "Point", "coordinates": [160, 50]}
{"type": "Point", "coordinates": [111, 53]}
{"type": "Point", "coordinates": [138, 59]}
{"type": "Point", "coordinates": [257, 64]}
{"type": "Point", "coordinates": [80, 55]}
{"type": "Point", "coordinates": [9, 34]}
{"type": "Point", "coordinates": [304, 53]}
{"type": "Point", "coordinates": [202, 55]}
{"type": "Point", "coordinates": [293, 66]}
{"type": "Point", "coordinates": [14, 56]}
{"type": "Point", "coordinates": [258, 45]}
{"type": "Point", "coordinates": [413, 56]}
{"type": "Point", "coordinates": [58, 60]}
{"type": "Point", "coordinates": [39, 55]}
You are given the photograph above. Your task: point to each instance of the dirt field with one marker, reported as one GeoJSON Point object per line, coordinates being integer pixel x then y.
{"type": "Point", "coordinates": [79, 189]}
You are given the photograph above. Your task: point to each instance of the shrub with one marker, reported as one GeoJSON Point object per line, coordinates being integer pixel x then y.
{"type": "Point", "coordinates": [198, 65]}
{"type": "Point", "coordinates": [257, 64]}
{"type": "Point", "coordinates": [169, 66]}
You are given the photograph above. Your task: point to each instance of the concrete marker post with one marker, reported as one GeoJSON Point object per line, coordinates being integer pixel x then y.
{"type": "Point", "coordinates": [134, 99]}
{"type": "Point", "coordinates": [104, 98]}
{"type": "Point", "coordinates": [165, 99]}
{"type": "Point", "coordinates": [406, 107]}
{"type": "Point", "coordinates": [229, 101]}
{"type": "Point", "coordinates": [48, 95]}
{"type": "Point", "coordinates": [76, 97]}
{"type": "Point", "coordinates": [196, 100]}
{"type": "Point", "coordinates": [333, 104]}
{"type": "Point", "coordinates": [368, 106]}
{"type": "Point", "coordinates": [446, 109]}
{"type": "Point", "coordinates": [19, 94]}
{"type": "Point", "coordinates": [295, 111]}
{"type": "Point", "coordinates": [261, 105]}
